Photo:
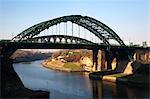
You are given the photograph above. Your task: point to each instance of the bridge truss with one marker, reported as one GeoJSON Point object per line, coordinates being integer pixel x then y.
{"type": "Point", "coordinates": [94, 30]}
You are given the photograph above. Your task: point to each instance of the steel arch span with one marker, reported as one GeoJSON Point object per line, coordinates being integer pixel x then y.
{"type": "Point", "coordinates": [99, 29]}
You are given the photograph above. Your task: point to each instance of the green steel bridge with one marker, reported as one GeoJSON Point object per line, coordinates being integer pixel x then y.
{"type": "Point", "coordinates": [66, 32]}
{"type": "Point", "coordinates": [73, 29]}
{"type": "Point", "coordinates": [69, 32]}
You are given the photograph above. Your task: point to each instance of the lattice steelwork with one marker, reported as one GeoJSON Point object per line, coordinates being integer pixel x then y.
{"type": "Point", "coordinates": [100, 30]}
{"type": "Point", "coordinates": [61, 39]}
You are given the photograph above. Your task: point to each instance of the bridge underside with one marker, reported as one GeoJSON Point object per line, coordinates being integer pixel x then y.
{"type": "Point", "coordinates": [30, 45]}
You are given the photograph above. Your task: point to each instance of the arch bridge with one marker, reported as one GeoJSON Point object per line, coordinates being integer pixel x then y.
{"type": "Point", "coordinates": [83, 28]}
{"type": "Point", "coordinates": [66, 32]}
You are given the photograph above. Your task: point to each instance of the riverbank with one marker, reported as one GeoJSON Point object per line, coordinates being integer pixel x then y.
{"type": "Point", "coordinates": [60, 66]}
{"type": "Point", "coordinates": [70, 61]}
{"type": "Point", "coordinates": [138, 78]}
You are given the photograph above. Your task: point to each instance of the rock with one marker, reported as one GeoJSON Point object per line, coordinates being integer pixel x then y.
{"type": "Point", "coordinates": [86, 60]}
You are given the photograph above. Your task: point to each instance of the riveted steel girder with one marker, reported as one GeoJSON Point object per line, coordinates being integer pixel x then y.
{"type": "Point", "coordinates": [108, 31]}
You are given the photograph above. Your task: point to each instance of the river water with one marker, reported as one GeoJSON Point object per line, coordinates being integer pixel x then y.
{"type": "Point", "coordinates": [63, 85]}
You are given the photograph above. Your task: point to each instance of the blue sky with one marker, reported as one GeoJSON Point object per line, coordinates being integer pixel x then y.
{"type": "Point", "coordinates": [130, 19]}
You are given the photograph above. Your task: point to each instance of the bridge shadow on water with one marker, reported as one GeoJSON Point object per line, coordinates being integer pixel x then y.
{"type": "Point", "coordinates": [103, 89]}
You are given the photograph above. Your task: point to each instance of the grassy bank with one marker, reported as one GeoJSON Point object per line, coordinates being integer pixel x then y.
{"type": "Point", "coordinates": [67, 67]}
{"type": "Point", "coordinates": [73, 66]}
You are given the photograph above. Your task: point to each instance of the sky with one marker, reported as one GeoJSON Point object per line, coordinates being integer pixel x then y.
{"type": "Point", "coordinates": [130, 19]}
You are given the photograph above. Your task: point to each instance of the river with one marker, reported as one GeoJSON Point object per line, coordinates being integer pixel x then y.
{"type": "Point", "coordinates": [63, 85]}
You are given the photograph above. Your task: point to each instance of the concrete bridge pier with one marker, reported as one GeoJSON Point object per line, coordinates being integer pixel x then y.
{"type": "Point", "coordinates": [95, 58]}
{"type": "Point", "coordinates": [11, 85]}
{"type": "Point", "coordinates": [102, 59]}
{"type": "Point", "coordinates": [8, 75]}
{"type": "Point", "coordinates": [108, 58]}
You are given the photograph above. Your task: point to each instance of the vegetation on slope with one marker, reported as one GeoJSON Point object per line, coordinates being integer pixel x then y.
{"type": "Point", "coordinates": [72, 66]}
{"type": "Point", "coordinates": [74, 60]}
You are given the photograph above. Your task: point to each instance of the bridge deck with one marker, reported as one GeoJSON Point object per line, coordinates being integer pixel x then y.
{"type": "Point", "coordinates": [30, 45]}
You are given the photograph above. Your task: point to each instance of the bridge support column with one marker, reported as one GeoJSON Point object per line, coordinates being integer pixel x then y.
{"type": "Point", "coordinates": [11, 85]}
{"type": "Point", "coordinates": [95, 58]}
{"type": "Point", "coordinates": [101, 60]}
{"type": "Point", "coordinates": [9, 78]}
{"type": "Point", "coordinates": [109, 58]}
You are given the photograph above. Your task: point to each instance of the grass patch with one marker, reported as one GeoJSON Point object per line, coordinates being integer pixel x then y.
{"type": "Point", "coordinates": [117, 75]}
{"type": "Point", "coordinates": [72, 66]}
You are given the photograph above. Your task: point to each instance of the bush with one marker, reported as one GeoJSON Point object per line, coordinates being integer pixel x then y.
{"type": "Point", "coordinates": [72, 57]}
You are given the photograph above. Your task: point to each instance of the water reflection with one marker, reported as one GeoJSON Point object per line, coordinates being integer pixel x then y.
{"type": "Point", "coordinates": [103, 90]}
{"type": "Point", "coordinates": [64, 85]}
{"type": "Point", "coordinates": [97, 89]}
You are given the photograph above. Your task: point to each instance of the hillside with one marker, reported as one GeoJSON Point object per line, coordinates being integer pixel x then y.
{"type": "Point", "coordinates": [27, 56]}
{"type": "Point", "coordinates": [70, 60]}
